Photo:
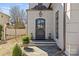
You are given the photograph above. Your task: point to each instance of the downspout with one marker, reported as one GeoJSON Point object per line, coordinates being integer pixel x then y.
{"type": "Point", "coordinates": [64, 28]}
{"type": "Point", "coordinates": [49, 7]}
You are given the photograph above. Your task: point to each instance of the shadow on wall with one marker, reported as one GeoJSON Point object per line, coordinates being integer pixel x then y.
{"type": "Point", "coordinates": [63, 28]}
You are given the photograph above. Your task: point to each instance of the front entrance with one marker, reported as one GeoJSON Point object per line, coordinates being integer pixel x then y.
{"type": "Point", "coordinates": [40, 28]}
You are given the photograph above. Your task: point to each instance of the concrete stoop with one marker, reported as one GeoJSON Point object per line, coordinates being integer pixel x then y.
{"type": "Point", "coordinates": [43, 49]}
{"type": "Point", "coordinates": [42, 43]}
{"type": "Point", "coordinates": [59, 53]}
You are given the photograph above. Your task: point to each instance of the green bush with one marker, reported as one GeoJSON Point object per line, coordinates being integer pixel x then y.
{"type": "Point", "coordinates": [17, 51]}
{"type": "Point", "coordinates": [25, 40]}
{"type": "Point", "coordinates": [0, 31]}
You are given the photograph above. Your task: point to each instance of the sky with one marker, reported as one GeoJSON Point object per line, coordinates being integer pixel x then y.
{"type": "Point", "coordinates": [4, 7]}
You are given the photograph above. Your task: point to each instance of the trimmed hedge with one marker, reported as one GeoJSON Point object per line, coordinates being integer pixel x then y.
{"type": "Point", "coordinates": [25, 40]}
{"type": "Point", "coordinates": [17, 51]}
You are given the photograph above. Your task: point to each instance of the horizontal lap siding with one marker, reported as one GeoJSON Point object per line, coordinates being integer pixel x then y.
{"type": "Point", "coordinates": [73, 34]}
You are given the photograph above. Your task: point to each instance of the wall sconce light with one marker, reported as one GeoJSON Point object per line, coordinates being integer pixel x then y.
{"type": "Point", "coordinates": [40, 14]}
{"type": "Point", "coordinates": [49, 37]}
{"type": "Point", "coordinates": [31, 35]}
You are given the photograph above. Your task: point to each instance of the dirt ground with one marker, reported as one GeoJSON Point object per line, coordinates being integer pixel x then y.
{"type": "Point", "coordinates": [7, 47]}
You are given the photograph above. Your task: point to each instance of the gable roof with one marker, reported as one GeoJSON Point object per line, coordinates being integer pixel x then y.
{"type": "Point", "coordinates": [40, 6]}
{"type": "Point", "coordinates": [4, 14]}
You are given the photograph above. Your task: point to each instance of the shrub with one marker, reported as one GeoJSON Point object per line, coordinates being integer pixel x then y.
{"type": "Point", "coordinates": [25, 40]}
{"type": "Point", "coordinates": [17, 51]}
{"type": "Point", "coordinates": [0, 31]}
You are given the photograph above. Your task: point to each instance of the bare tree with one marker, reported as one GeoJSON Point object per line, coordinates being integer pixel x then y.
{"type": "Point", "coordinates": [18, 16]}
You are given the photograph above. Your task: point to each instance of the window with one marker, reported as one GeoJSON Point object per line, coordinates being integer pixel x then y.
{"type": "Point", "coordinates": [57, 24]}
{"type": "Point", "coordinates": [40, 23]}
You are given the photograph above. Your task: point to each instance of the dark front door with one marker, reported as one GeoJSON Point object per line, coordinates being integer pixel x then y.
{"type": "Point", "coordinates": [40, 28]}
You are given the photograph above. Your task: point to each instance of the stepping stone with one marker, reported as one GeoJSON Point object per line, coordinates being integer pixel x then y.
{"type": "Point", "coordinates": [37, 52]}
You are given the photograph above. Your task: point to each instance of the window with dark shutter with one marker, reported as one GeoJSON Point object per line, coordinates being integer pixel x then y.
{"type": "Point", "coordinates": [57, 24]}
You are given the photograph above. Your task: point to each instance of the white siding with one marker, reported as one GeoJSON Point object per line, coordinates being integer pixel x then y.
{"type": "Point", "coordinates": [73, 34]}
{"type": "Point", "coordinates": [67, 51]}
{"type": "Point", "coordinates": [72, 29]}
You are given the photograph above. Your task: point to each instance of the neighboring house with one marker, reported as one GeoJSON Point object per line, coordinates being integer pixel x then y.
{"type": "Point", "coordinates": [4, 18]}
{"type": "Point", "coordinates": [58, 20]}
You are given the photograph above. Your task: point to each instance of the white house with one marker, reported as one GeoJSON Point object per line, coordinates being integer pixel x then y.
{"type": "Point", "coordinates": [57, 20]}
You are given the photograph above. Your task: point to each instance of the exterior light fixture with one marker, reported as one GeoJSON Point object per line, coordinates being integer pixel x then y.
{"type": "Point", "coordinates": [40, 14]}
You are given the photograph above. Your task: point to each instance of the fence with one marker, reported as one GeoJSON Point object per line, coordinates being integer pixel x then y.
{"type": "Point", "coordinates": [10, 33]}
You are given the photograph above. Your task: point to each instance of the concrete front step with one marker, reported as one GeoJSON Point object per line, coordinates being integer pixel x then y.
{"type": "Point", "coordinates": [42, 44]}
